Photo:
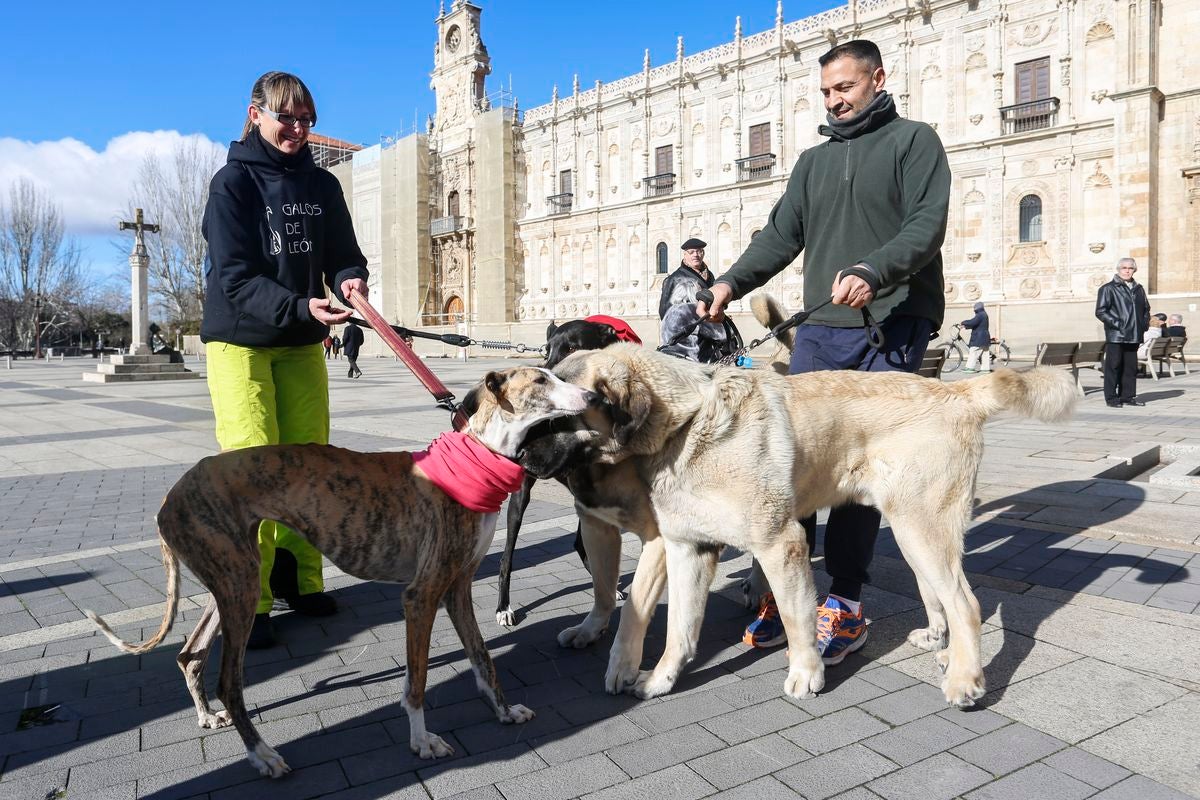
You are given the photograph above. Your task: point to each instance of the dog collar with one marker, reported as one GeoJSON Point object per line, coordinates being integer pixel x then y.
{"type": "Point", "coordinates": [471, 474]}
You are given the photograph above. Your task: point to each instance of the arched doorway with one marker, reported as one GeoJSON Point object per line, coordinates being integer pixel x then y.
{"type": "Point", "coordinates": [454, 310]}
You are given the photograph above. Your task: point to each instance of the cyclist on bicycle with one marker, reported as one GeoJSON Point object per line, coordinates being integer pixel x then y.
{"type": "Point", "coordinates": [981, 341]}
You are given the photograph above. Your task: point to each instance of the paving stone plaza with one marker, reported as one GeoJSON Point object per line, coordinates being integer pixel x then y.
{"type": "Point", "coordinates": [1090, 589]}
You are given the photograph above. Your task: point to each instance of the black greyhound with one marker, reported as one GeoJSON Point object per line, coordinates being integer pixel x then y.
{"type": "Point", "coordinates": [561, 341]}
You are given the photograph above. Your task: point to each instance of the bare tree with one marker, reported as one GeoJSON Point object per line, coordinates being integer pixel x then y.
{"type": "Point", "coordinates": [173, 192]}
{"type": "Point", "coordinates": [40, 272]}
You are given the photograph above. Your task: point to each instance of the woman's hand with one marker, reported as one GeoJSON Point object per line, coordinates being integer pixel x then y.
{"type": "Point", "coordinates": [325, 312]}
{"type": "Point", "coordinates": [357, 284]}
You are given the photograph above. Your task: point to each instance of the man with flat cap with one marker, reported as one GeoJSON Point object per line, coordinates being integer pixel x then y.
{"type": "Point", "coordinates": [677, 309]}
{"type": "Point", "coordinates": [692, 276]}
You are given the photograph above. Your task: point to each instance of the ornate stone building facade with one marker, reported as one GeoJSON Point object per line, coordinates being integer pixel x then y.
{"type": "Point", "coordinates": [1072, 128]}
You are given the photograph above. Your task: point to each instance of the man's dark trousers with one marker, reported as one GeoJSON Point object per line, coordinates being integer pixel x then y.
{"type": "Point", "coordinates": [1120, 372]}
{"type": "Point", "coordinates": [852, 529]}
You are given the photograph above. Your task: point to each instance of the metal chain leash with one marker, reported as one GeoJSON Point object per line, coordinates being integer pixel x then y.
{"type": "Point", "coordinates": [520, 347]}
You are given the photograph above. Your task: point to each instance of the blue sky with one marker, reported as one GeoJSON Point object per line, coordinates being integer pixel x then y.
{"type": "Point", "coordinates": [96, 73]}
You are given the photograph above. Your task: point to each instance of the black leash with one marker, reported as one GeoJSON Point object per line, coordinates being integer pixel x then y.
{"type": "Point", "coordinates": [875, 336]}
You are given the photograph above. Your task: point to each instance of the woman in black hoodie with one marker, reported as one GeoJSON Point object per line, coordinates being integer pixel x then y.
{"type": "Point", "coordinates": [278, 234]}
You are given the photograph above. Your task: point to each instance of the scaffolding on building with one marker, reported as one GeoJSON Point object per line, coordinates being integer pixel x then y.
{"type": "Point", "coordinates": [329, 152]}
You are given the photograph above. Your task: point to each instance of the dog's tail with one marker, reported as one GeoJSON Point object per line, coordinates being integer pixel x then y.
{"type": "Point", "coordinates": [172, 566]}
{"type": "Point", "coordinates": [1043, 393]}
{"type": "Point", "coordinates": [769, 312]}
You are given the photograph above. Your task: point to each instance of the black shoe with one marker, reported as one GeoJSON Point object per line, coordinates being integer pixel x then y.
{"type": "Point", "coordinates": [317, 604]}
{"type": "Point", "coordinates": [1134, 402]}
{"type": "Point", "coordinates": [1113, 403]}
{"type": "Point", "coordinates": [262, 635]}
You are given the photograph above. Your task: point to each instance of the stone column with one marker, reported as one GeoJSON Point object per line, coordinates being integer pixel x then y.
{"type": "Point", "coordinates": [139, 265]}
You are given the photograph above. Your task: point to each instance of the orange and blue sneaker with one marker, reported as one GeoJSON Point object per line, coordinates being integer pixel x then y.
{"type": "Point", "coordinates": [839, 631]}
{"type": "Point", "coordinates": [767, 629]}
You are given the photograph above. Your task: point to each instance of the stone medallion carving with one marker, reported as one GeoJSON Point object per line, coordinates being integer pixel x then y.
{"type": "Point", "coordinates": [562, 310]}
{"type": "Point", "coordinates": [973, 257]}
{"type": "Point", "coordinates": [1096, 247]}
{"type": "Point", "coordinates": [758, 101]}
{"type": "Point", "coordinates": [974, 42]}
{"type": "Point", "coordinates": [566, 155]}
{"type": "Point", "coordinates": [1029, 257]}
{"type": "Point", "coordinates": [1031, 33]}
{"type": "Point", "coordinates": [1097, 280]}
{"type": "Point", "coordinates": [972, 291]}
{"type": "Point", "coordinates": [951, 291]}
{"type": "Point", "coordinates": [664, 126]}
{"type": "Point", "coordinates": [1029, 167]}
{"type": "Point", "coordinates": [976, 119]}
{"type": "Point", "coordinates": [1030, 288]}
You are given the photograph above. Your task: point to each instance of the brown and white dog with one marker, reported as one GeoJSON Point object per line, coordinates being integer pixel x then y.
{"type": "Point", "coordinates": [377, 516]}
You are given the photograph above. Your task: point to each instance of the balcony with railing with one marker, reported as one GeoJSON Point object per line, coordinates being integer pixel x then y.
{"type": "Point", "coordinates": [559, 203]}
{"type": "Point", "coordinates": [755, 168]}
{"type": "Point", "coordinates": [1033, 116]}
{"type": "Point", "coordinates": [444, 226]}
{"type": "Point", "coordinates": [659, 185]}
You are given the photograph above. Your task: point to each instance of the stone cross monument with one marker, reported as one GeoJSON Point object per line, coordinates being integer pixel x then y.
{"type": "Point", "coordinates": [139, 264]}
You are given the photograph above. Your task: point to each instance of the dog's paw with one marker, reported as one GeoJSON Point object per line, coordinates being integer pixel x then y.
{"type": "Point", "coordinates": [963, 691]}
{"type": "Point", "coordinates": [580, 636]}
{"type": "Point", "coordinates": [217, 720]}
{"type": "Point", "coordinates": [429, 745]}
{"type": "Point", "coordinates": [267, 761]}
{"type": "Point", "coordinates": [621, 675]}
{"type": "Point", "coordinates": [805, 679]}
{"type": "Point", "coordinates": [942, 657]}
{"type": "Point", "coordinates": [516, 713]}
{"type": "Point", "coordinates": [929, 639]}
{"type": "Point", "coordinates": [651, 684]}
{"type": "Point", "coordinates": [507, 617]}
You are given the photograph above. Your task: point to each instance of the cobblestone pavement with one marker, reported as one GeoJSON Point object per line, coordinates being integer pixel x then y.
{"type": "Point", "coordinates": [1089, 589]}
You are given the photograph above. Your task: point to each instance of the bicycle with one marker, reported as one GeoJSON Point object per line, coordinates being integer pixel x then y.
{"type": "Point", "coordinates": [956, 350]}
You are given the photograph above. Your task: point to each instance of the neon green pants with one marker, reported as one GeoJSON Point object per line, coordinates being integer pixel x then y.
{"type": "Point", "coordinates": [272, 395]}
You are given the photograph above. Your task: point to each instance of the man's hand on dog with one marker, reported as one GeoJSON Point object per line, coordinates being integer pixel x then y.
{"type": "Point", "coordinates": [327, 313]}
{"type": "Point", "coordinates": [851, 290]}
{"type": "Point", "coordinates": [722, 293]}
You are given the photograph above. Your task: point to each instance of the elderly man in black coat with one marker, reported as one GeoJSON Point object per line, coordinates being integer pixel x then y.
{"type": "Point", "coordinates": [978, 348]}
{"type": "Point", "coordinates": [1122, 306]}
{"type": "Point", "coordinates": [677, 309]}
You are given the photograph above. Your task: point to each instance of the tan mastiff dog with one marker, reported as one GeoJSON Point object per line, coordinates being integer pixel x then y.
{"type": "Point", "coordinates": [377, 516]}
{"type": "Point", "coordinates": [784, 446]}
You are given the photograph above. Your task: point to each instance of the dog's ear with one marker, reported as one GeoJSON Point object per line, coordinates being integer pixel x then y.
{"type": "Point", "coordinates": [494, 381]}
{"type": "Point", "coordinates": [608, 334]}
{"type": "Point", "coordinates": [630, 403]}
{"type": "Point", "coordinates": [550, 329]}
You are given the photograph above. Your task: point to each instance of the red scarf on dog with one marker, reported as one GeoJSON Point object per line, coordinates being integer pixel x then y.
{"type": "Point", "coordinates": [624, 332]}
{"type": "Point", "coordinates": [469, 473]}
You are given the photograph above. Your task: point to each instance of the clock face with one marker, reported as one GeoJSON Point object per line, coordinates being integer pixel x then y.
{"type": "Point", "coordinates": [453, 39]}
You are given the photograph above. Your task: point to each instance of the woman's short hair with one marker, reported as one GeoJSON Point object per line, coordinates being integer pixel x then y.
{"type": "Point", "coordinates": [278, 91]}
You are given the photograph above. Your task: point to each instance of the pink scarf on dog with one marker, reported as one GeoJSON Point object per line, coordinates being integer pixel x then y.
{"type": "Point", "coordinates": [469, 473]}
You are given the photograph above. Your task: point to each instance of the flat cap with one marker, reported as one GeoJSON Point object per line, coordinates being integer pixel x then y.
{"type": "Point", "coordinates": [693, 244]}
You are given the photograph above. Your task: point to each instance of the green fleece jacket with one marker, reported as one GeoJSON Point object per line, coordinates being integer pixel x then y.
{"type": "Point", "coordinates": [879, 198]}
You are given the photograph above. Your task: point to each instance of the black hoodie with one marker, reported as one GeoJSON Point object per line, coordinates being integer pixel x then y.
{"type": "Point", "coordinates": [278, 232]}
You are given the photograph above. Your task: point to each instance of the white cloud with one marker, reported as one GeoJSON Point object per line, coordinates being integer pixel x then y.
{"type": "Point", "coordinates": [91, 187]}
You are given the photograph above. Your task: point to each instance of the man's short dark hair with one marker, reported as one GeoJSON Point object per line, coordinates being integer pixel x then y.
{"type": "Point", "coordinates": [863, 49]}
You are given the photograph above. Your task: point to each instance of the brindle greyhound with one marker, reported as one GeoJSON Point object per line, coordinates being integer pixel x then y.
{"type": "Point", "coordinates": [375, 515]}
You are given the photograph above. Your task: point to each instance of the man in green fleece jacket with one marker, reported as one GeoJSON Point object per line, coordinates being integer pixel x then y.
{"type": "Point", "coordinates": [868, 207]}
